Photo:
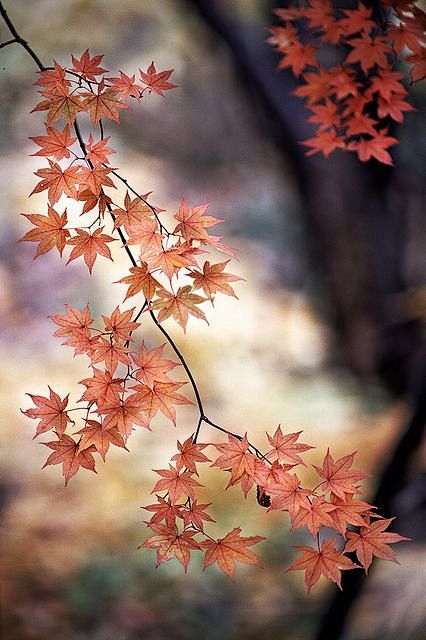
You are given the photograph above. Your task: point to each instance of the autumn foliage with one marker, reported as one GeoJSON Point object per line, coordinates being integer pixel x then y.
{"type": "Point", "coordinates": [173, 276]}
{"type": "Point", "coordinates": [353, 103]}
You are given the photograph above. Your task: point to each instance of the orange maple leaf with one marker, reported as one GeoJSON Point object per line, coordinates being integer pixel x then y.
{"type": "Point", "coordinates": [170, 543]}
{"type": "Point", "coordinates": [213, 279]}
{"type": "Point", "coordinates": [338, 476]}
{"type": "Point", "coordinates": [57, 181]}
{"type": "Point", "coordinates": [123, 414]}
{"type": "Point", "coordinates": [120, 324]}
{"type": "Point", "coordinates": [327, 561]}
{"type": "Point", "coordinates": [93, 434]}
{"type": "Point", "coordinates": [73, 322]}
{"type": "Point", "coordinates": [156, 82]}
{"type": "Point", "coordinates": [189, 454]}
{"type": "Point", "coordinates": [60, 104]}
{"type": "Point", "coordinates": [105, 103]}
{"type": "Point", "coordinates": [68, 453]}
{"type": "Point", "coordinates": [50, 231]}
{"type": "Point", "coordinates": [229, 550]}
{"type": "Point", "coordinates": [88, 66]}
{"type": "Point", "coordinates": [140, 280]}
{"type": "Point", "coordinates": [102, 387]}
{"type": "Point", "coordinates": [89, 245]}
{"type": "Point", "coordinates": [178, 305]}
{"type": "Point", "coordinates": [55, 144]}
{"type": "Point", "coordinates": [286, 447]}
{"type": "Point", "coordinates": [161, 397]}
{"type": "Point", "coordinates": [373, 540]}
{"type": "Point", "coordinates": [98, 152]}
{"type": "Point", "coordinates": [151, 366]}
{"type": "Point", "coordinates": [176, 482]}
{"type": "Point", "coordinates": [50, 411]}
{"type": "Point", "coordinates": [193, 223]}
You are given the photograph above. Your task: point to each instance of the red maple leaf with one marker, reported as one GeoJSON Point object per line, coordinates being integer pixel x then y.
{"type": "Point", "coordinates": [68, 453]}
{"type": "Point", "coordinates": [88, 66]}
{"type": "Point", "coordinates": [373, 540]}
{"type": "Point", "coordinates": [50, 231]}
{"type": "Point", "coordinates": [229, 550]}
{"type": "Point", "coordinates": [89, 245]}
{"type": "Point", "coordinates": [176, 482]}
{"type": "Point", "coordinates": [156, 82]}
{"type": "Point", "coordinates": [327, 561]}
{"type": "Point", "coordinates": [189, 454]}
{"type": "Point", "coordinates": [57, 181]}
{"type": "Point", "coordinates": [50, 411]}
{"type": "Point", "coordinates": [286, 447]}
{"type": "Point", "coordinates": [170, 543]}
{"type": "Point", "coordinates": [338, 476]}
{"type": "Point", "coordinates": [93, 434]}
{"type": "Point", "coordinates": [55, 144]}
{"type": "Point", "coordinates": [151, 366]}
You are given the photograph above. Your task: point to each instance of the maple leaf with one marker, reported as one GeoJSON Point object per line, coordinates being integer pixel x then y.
{"type": "Point", "coordinates": [95, 178]}
{"type": "Point", "coordinates": [313, 515]}
{"type": "Point", "coordinates": [356, 20]}
{"type": "Point", "coordinates": [229, 550]}
{"type": "Point", "coordinates": [101, 387]}
{"type": "Point", "coordinates": [135, 212]}
{"type": "Point", "coordinates": [161, 397]}
{"type": "Point", "coordinates": [348, 511]}
{"type": "Point", "coordinates": [317, 87]}
{"type": "Point", "coordinates": [123, 414]}
{"type": "Point", "coordinates": [50, 231]}
{"type": "Point", "coordinates": [176, 482]}
{"type": "Point", "coordinates": [55, 144]}
{"type": "Point", "coordinates": [178, 305]}
{"type": "Point", "coordinates": [93, 434]}
{"type": "Point", "coordinates": [83, 342]}
{"type": "Point", "coordinates": [164, 510]}
{"type": "Point", "coordinates": [195, 514]}
{"type": "Point", "coordinates": [105, 103]}
{"type": "Point", "coordinates": [57, 181]}
{"type": "Point", "coordinates": [91, 200]}
{"type": "Point", "coordinates": [338, 476]}
{"type": "Point", "coordinates": [68, 453]}
{"type": "Point", "coordinates": [235, 458]}
{"type": "Point", "coordinates": [393, 107]}
{"type": "Point", "coordinates": [120, 324]}
{"type": "Point", "coordinates": [213, 279]}
{"type": "Point", "coordinates": [298, 56]}
{"type": "Point", "coordinates": [97, 153]}
{"type": "Point", "coordinates": [418, 60]}
{"type": "Point", "coordinates": [126, 85]}
{"type": "Point", "coordinates": [189, 454]}
{"type": "Point", "coordinates": [75, 320]}
{"type": "Point", "coordinates": [369, 52]}
{"type": "Point", "coordinates": [111, 353]}
{"type": "Point", "coordinates": [374, 148]}
{"type": "Point", "coordinates": [286, 447]}
{"type": "Point", "coordinates": [60, 104]}
{"type": "Point", "coordinates": [51, 78]}
{"type": "Point", "coordinates": [373, 540]}
{"type": "Point", "coordinates": [89, 245]}
{"type": "Point", "coordinates": [151, 366]}
{"type": "Point", "coordinates": [170, 261]}
{"type": "Point", "coordinates": [87, 66]}
{"type": "Point", "coordinates": [156, 82]}
{"type": "Point", "coordinates": [288, 494]}
{"type": "Point", "coordinates": [192, 222]}
{"type": "Point", "coordinates": [50, 411]}
{"type": "Point", "coordinates": [386, 83]}
{"type": "Point", "coordinates": [324, 141]}
{"type": "Point", "coordinates": [327, 561]}
{"type": "Point", "coordinates": [140, 280]}
{"type": "Point", "coordinates": [146, 234]}
{"type": "Point", "coordinates": [170, 543]}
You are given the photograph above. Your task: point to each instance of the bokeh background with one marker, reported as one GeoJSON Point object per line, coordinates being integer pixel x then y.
{"type": "Point", "coordinates": [327, 336]}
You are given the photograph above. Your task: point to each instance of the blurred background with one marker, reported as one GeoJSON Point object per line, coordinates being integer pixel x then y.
{"type": "Point", "coordinates": [327, 336]}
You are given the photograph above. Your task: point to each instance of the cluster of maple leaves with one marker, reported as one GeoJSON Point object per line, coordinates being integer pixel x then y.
{"type": "Point", "coordinates": [129, 386]}
{"type": "Point", "coordinates": [353, 103]}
